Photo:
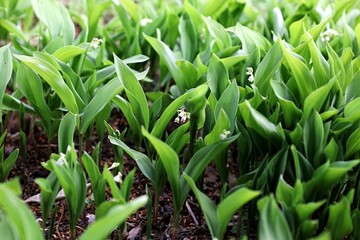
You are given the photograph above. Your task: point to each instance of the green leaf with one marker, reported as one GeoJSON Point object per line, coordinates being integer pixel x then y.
{"type": "Point", "coordinates": [66, 132]}
{"type": "Point", "coordinates": [351, 110]}
{"type": "Point", "coordinates": [170, 161]}
{"type": "Point", "coordinates": [353, 144]}
{"type": "Point", "coordinates": [52, 76]}
{"type": "Point", "coordinates": [116, 215]}
{"type": "Point", "coordinates": [200, 161]}
{"type": "Point", "coordinates": [56, 19]}
{"type": "Point", "coordinates": [258, 122]}
{"type": "Point", "coordinates": [217, 76]}
{"type": "Point", "coordinates": [303, 79]}
{"type": "Point", "coordinates": [320, 65]}
{"type": "Point", "coordinates": [208, 208]}
{"type": "Point", "coordinates": [6, 70]}
{"type": "Point", "coordinates": [188, 38]}
{"type": "Point", "coordinates": [316, 99]}
{"type": "Point", "coordinates": [19, 215]}
{"type": "Point", "coordinates": [325, 177]}
{"type": "Point", "coordinates": [228, 101]}
{"type": "Point", "coordinates": [169, 58]}
{"type": "Point", "coordinates": [12, 28]}
{"type": "Point", "coordinates": [222, 123]}
{"type": "Point", "coordinates": [313, 138]}
{"type": "Point", "coordinates": [214, 7]}
{"type": "Point", "coordinates": [49, 190]}
{"type": "Point", "coordinates": [218, 32]}
{"type": "Point", "coordinates": [102, 97]}
{"type": "Point", "coordinates": [133, 88]}
{"type": "Point", "coordinates": [143, 162]}
{"type": "Point", "coordinates": [168, 114]}
{"type": "Point", "coordinates": [227, 207]}
{"type": "Point", "coordinates": [66, 53]}
{"type": "Point", "coordinates": [8, 164]}
{"type": "Point", "coordinates": [287, 102]}
{"type": "Point", "coordinates": [273, 224]}
{"type": "Point", "coordinates": [251, 39]}
{"type": "Point", "coordinates": [267, 67]}
{"type": "Point", "coordinates": [190, 71]}
{"type": "Point", "coordinates": [340, 222]}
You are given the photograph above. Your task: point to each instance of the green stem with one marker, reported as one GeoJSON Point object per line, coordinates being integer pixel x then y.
{"type": "Point", "coordinates": [82, 61]}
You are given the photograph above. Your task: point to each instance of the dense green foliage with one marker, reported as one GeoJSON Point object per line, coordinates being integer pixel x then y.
{"type": "Point", "coordinates": [271, 87]}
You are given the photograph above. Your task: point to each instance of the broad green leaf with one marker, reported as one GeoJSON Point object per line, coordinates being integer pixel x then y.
{"type": "Point", "coordinates": [169, 59]}
{"type": "Point", "coordinates": [8, 164]}
{"type": "Point", "coordinates": [297, 30]}
{"type": "Point", "coordinates": [6, 67]}
{"type": "Point", "coordinates": [218, 32]}
{"type": "Point", "coordinates": [222, 124]}
{"type": "Point", "coordinates": [179, 137]}
{"type": "Point", "coordinates": [208, 207]}
{"type": "Point", "coordinates": [258, 122]}
{"type": "Point", "coordinates": [117, 214]}
{"type": "Point", "coordinates": [313, 137]}
{"type": "Point", "coordinates": [56, 19]}
{"type": "Point", "coordinates": [287, 195]}
{"type": "Point", "coordinates": [128, 112]}
{"type": "Point", "coordinates": [320, 65]}
{"type": "Point", "coordinates": [190, 71]}
{"type": "Point", "coordinates": [200, 161]}
{"type": "Point", "coordinates": [12, 28]}
{"type": "Point", "coordinates": [336, 67]}
{"type": "Point", "coordinates": [353, 144]}
{"type": "Point", "coordinates": [214, 7]}
{"type": "Point", "coordinates": [268, 66]}
{"type": "Point", "coordinates": [217, 76]}
{"type": "Point", "coordinates": [332, 150]}
{"type": "Point", "coordinates": [188, 38]}
{"type": "Point", "coordinates": [339, 221]}
{"type": "Point", "coordinates": [31, 86]}
{"type": "Point", "coordinates": [325, 177]}
{"type": "Point", "coordinates": [273, 224]}
{"type": "Point", "coordinates": [291, 113]}
{"type": "Point", "coordinates": [66, 53]}
{"type": "Point", "coordinates": [251, 39]}
{"type": "Point", "coordinates": [302, 76]}
{"type": "Point", "coordinates": [227, 207]}
{"type": "Point", "coordinates": [134, 91]}
{"type": "Point", "coordinates": [66, 132]}
{"type": "Point", "coordinates": [49, 190]}
{"type": "Point", "coordinates": [316, 99]}
{"type": "Point", "coordinates": [305, 210]}
{"type": "Point", "coordinates": [352, 89]}
{"type": "Point", "coordinates": [351, 110]}
{"type": "Point", "coordinates": [171, 163]}
{"type": "Point", "coordinates": [52, 76]}
{"type": "Point", "coordinates": [19, 215]}
{"type": "Point", "coordinates": [168, 114]}
{"type": "Point", "coordinates": [102, 97]}
{"type": "Point", "coordinates": [232, 60]}
{"type": "Point", "coordinates": [143, 162]}
{"type": "Point", "coordinates": [228, 101]}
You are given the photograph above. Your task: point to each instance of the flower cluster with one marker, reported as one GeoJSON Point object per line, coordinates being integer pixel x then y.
{"type": "Point", "coordinates": [224, 134]}
{"type": "Point", "coordinates": [145, 21]}
{"type": "Point", "coordinates": [249, 72]}
{"type": "Point", "coordinates": [62, 160]}
{"type": "Point", "coordinates": [95, 43]}
{"type": "Point", "coordinates": [328, 34]}
{"type": "Point", "coordinates": [182, 116]}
